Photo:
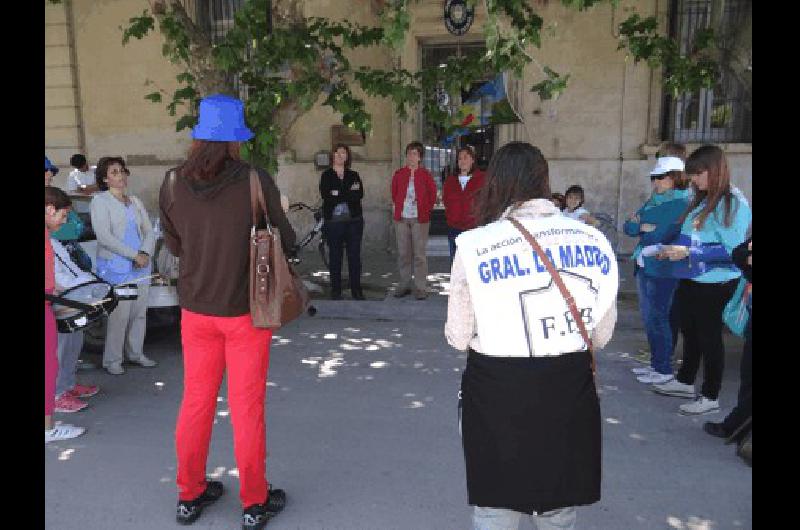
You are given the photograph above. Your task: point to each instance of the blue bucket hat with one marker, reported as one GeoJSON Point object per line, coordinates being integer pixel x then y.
{"type": "Point", "coordinates": [221, 120]}
{"type": "Point", "coordinates": [49, 165]}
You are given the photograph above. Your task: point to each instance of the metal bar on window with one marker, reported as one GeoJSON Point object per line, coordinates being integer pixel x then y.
{"type": "Point", "coordinates": [717, 114]}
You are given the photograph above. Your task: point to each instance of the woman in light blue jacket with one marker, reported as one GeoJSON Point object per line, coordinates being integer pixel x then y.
{"type": "Point", "coordinates": [656, 222]}
{"type": "Point", "coordinates": [125, 243]}
{"type": "Point", "coordinates": [716, 221]}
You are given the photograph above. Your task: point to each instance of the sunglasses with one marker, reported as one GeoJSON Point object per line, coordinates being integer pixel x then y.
{"type": "Point", "coordinates": [658, 177]}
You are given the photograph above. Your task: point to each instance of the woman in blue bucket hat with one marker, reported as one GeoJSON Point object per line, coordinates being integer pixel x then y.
{"type": "Point", "coordinates": [206, 218]}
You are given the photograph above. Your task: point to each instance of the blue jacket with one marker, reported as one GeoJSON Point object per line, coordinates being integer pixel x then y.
{"type": "Point", "coordinates": [662, 210]}
{"type": "Point", "coordinates": [710, 247]}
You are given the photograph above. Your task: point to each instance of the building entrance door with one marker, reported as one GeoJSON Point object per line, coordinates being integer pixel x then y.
{"type": "Point", "coordinates": [440, 157]}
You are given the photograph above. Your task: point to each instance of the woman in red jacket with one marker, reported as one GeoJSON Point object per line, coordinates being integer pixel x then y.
{"type": "Point", "coordinates": [458, 195]}
{"type": "Point", "coordinates": [413, 195]}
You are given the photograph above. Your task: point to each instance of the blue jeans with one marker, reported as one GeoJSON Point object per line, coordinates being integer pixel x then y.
{"type": "Point", "coordinates": [655, 300]}
{"type": "Point", "coordinates": [504, 519]}
{"type": "Point", "coordinates": [452, 234]}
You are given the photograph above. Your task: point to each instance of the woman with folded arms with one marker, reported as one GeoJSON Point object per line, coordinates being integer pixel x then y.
{"type": "Point", "coordinates": [342, 191]}
{"type": "Point", "coordinates": [654, 223]}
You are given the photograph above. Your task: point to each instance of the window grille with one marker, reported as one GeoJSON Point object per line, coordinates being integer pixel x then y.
{"type": "Point", "coordinates": [722, 113]}
{"type": "Point", "coordinates": [215, 17]}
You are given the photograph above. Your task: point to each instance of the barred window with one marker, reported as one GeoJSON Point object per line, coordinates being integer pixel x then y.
{"type": "Point", "coordinates": [215, 17]}
{"type": "Point", "coordinates": [722, 113]}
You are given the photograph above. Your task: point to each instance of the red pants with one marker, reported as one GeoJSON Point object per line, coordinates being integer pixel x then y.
{"type": "Point", "coordinates": [210, 345]}
{"type": "Point", "coordinates": [50, 359]}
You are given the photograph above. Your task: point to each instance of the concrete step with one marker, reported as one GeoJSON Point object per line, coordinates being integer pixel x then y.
{"type": "Point", "coordinates": [437, 246]}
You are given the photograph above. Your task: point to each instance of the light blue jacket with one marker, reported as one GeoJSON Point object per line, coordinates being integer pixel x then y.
{"type": "Point", "coordinates": [710, 247]}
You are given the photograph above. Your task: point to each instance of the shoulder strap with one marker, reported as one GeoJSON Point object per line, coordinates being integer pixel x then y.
{"type": "Point", "coordinates": [576, 316]}
{"type": "Point", "coordinates": [59, 258]}
{"type": "Point", "coordinates": [73, 270]}
{"type": "Point", "coordinates": [257, 199]}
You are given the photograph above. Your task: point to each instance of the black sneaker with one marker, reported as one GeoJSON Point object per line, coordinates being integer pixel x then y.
{"type": "Point", "coordinates": [256, 517]}
{"type": "Point", "coordinates": [715, 429]}
{"type": "Point", "coordinates": [189, 511]}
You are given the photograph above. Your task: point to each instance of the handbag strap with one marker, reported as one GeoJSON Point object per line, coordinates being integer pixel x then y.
{"type": "Point", "coordinates": [257, 199]}
{"type": "Point", "coordinates": [576, 316]}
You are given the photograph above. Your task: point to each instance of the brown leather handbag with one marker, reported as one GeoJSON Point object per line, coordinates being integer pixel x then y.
{"type": "Point", "coordinates": [277, 294]}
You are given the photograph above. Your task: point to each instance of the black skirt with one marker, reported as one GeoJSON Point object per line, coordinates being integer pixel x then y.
{"type": "Point", "coordinates": [531, 432]}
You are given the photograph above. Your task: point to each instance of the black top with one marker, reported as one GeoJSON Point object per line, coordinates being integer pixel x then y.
{"type": "Point", "coordinates": [335, 190]}
{"type": "Point", "coordinates": [740, 255]}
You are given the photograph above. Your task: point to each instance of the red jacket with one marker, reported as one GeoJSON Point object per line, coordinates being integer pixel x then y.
{"type": "Point", "coordinates": [458, 203]}
{"type": "Point", "coordinates": [424, 188]}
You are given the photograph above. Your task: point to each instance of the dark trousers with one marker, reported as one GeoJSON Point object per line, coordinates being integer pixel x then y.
{"type": "Point", "coordinates": [452, 234]}
{"type": "Point", "coordinates": [744, 403]}
{"type": "Point", "coordinates": [344, 235]}
{"type": "Point", "coordinates": [675, 320]}
{"type": "Point", "coordinates": [701, 307]}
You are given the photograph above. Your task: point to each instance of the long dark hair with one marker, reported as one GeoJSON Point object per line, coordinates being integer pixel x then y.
{"type": "Point", "coordinates": [346, 150]}
{"type": "Point", "coordinates": [712, 159]}
{"type": "Point", "coordinates": [518, 172]}
{"type": "Point", "coordinates": [206, 159]}
{"type": "Point", "coordinates": [471, 152]}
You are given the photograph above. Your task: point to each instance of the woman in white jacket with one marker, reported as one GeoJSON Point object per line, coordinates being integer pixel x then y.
{"type": "Point", "coordinates": [531, 417]}
{"type": "Point", "coordinates": [125, 243]}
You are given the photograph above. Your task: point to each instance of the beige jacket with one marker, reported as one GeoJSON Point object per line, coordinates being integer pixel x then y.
{"type": "Point", "coordinates": [109, 221]}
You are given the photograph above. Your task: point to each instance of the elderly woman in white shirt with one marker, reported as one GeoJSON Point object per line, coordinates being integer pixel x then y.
{"type": "Point", "coordinates": [125, 243]}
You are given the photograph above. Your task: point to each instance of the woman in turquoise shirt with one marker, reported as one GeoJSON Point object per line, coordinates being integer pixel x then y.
{"type": "Point", "coordinates": [716, 222]}
{"type": "Point", "coordinates": [654, 223]}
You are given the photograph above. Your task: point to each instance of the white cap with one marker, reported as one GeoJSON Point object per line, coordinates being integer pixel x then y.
{"type": "Point", "coordinates": [666, 164]}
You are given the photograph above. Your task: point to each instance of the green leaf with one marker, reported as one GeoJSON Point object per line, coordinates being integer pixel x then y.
{"type": "Point", "coordinates": [138, 27]}
{"type": "Point", "coordinates": [185, 122]}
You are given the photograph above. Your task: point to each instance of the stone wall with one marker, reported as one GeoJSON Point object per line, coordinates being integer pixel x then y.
{"type": "Point", "coordinates": [610, 112]}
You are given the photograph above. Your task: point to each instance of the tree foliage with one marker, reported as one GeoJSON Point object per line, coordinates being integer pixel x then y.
{"type": "Point", "coordinates": [293, 63]}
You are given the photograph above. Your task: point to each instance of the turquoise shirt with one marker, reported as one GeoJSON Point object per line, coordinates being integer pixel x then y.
{"type": "Point", "coordinates": [711, 246]}
{"type": "Point", "coordinates": [662, 210]}
{"type": "Point", "coordinates": [71, 229]}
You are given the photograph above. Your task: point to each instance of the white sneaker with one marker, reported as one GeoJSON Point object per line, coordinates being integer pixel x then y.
{"type": "Point", "coordinates": [643, 370]}
{"type": "Point", "coordinates": [673, 387]}
{"type": "Point", "coordinates": [654, 378]}
{"type": "Point", "coordinates": [145, 362]}
{"type": "Point", "coordinates": [115, 369]}
{"type": "Point", "coordinates": [63, 431]}
{"type": "Point", "coordinates": [701, 405]}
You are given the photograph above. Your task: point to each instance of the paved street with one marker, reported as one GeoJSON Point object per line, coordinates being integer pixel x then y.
{"type": "Point", "coordinates": [362, 433]}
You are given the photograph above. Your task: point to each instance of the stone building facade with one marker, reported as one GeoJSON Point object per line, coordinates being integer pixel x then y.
{"type": "Point", "coordinates": [602, 133]}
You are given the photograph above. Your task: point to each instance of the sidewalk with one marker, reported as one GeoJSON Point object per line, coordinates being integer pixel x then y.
{"type": "Point", "coordinates": [362, 432]}
{"type": "Point", "coordinates": [379, 274]}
